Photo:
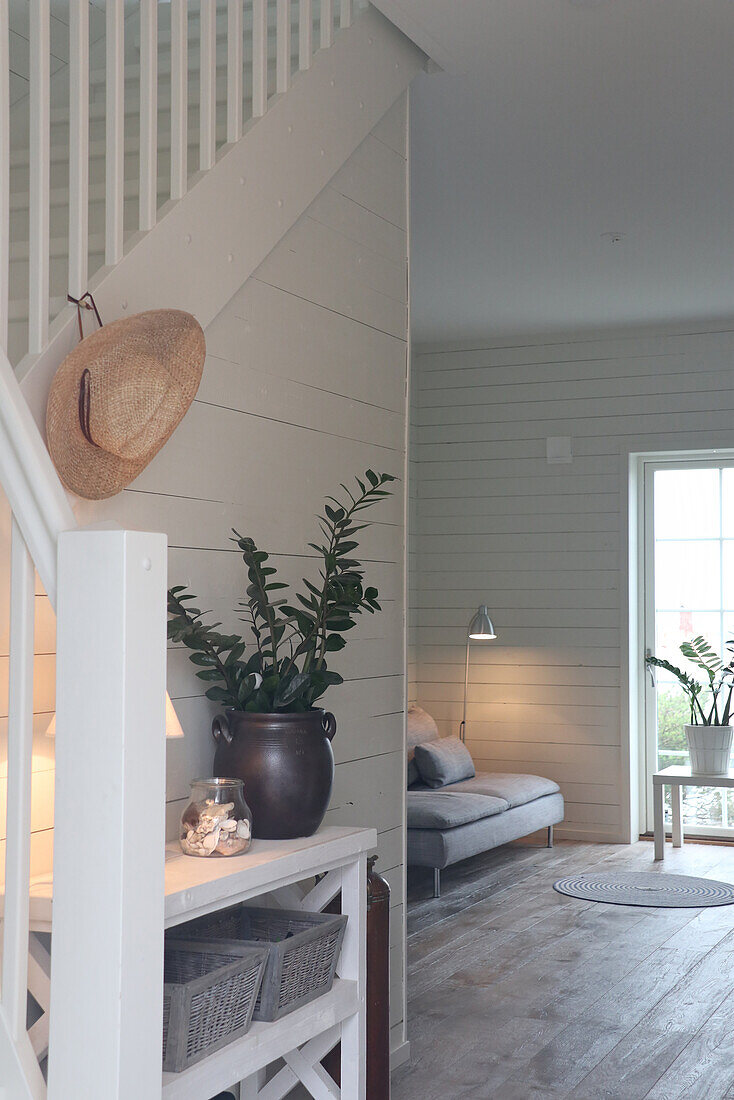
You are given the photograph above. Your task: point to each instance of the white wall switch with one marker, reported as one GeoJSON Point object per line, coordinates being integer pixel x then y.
{"type": "Point", "coordinates": [558, 449]}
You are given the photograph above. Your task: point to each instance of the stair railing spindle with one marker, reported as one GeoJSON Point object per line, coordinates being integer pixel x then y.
{"type": "Point", "coordinates": [148, 112]}
{"type": "Point", "coordinates": [327, 24]}
{"type": "Point", "coordinates": [283, 46]}
{"type": "Point", "coordinates": [259, 58]}
{"type": "Point", "coordinates": [20, 749]}
{"type": "Point", "coordinates": [305, 34]}
{"type": "Point", "coordinates": [38, 240]}
{"type": "Point", "coordinates": [179, 97]}
{"type": "Point", "coordinates": [208, 84]}
{"type": "Point", "coordinates": [234, 70]}
{"type": "Point", "coordinates": [78, 145]}
{"type": "Point", "coordinates": [4, 172]}
{"type": "Point", "coordinates": [114, 131]}
{"type": "Point", "coordinates": [346, 13]}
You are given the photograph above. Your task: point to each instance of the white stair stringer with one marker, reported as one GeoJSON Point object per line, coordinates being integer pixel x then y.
{"type": "Point", "coordinates": [207, 244]}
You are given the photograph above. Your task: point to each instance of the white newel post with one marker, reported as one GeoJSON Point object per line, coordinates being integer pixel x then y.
{"type": "Point", "coordinates": [107, 945]}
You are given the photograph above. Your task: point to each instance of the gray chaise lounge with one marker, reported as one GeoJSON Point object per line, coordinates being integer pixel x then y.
{"type": "Point", "coordinates": [460, 820]}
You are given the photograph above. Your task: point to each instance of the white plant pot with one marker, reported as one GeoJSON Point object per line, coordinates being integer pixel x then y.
{"type": "Point", "coordinates": [710, 749]}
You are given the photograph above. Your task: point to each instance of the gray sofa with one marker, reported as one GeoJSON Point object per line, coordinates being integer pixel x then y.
{"type": "Point", "coordinates": [460, 820]}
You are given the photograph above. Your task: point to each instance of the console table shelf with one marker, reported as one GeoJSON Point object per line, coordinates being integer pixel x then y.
{"type": "Point", "coordinates": [194, 887]}
{"type": "Point", "coordinates": [263, 1044]}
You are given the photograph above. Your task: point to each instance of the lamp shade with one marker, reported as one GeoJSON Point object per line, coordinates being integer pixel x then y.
{"type": "Point", "coordinates": [173, 726]}
{"type": "Point", "coordinates": [481, 628]}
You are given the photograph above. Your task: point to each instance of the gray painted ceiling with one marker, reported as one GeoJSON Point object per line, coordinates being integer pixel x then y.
{"type": "Point", "coordinates": [557, 122]}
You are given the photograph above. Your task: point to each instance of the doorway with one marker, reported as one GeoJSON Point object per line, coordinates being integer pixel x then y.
{"type": "Point", "coordinates": [688, 590]}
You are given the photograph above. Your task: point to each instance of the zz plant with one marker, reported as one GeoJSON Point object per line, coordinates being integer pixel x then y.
{"type": "Point", "coordinates": [287, 670]}
{"type": "Point", "coordinates": [717, 711]}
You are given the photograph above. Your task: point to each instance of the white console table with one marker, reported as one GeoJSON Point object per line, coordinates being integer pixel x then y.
{"type": "Point", "coordinates": [198, 886]}
{"type": "Point", "coordinates": [677, 778]}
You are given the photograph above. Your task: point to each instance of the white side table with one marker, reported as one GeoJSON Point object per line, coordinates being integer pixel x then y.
{"type": "Point", "coordinates": [678, 778]}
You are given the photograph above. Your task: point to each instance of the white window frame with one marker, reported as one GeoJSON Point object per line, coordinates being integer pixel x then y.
{"type": "Point", "coordinates": [648, 465]}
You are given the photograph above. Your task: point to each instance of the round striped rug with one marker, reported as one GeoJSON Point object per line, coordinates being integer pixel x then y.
{"type": "Point", "coordinates": [646, 888]}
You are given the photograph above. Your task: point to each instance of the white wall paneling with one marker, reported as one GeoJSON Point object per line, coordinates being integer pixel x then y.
{"type": "Point", "coordinates": [298, 394]}
{"type": "Point", "coordinates": [544, 545]}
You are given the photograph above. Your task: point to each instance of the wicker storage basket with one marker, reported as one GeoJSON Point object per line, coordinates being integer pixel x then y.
{"type": "Point", "coordinates": [302, 954]}
{"type": "Point", "coordinates": [209, 995]}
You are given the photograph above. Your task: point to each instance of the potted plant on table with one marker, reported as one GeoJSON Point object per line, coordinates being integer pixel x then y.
{"type": "Point", "coordinates": [709, 734]}
{"type": "Point", "coordinates": [271, 734]}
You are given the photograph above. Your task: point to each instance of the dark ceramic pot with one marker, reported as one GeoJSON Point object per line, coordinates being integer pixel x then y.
{"type": "Point", "coordinates": [286, 764]}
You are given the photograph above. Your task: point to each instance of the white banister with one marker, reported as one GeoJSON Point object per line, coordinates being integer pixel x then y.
{"type": "Point", "coordinates": [4, 172]}
{"type": "Point", "coordinates": [305, 34]}
{"type": "Point", "coordinates": [115, 130]}
{"type": "Point", "coordinates": [208, 83]}
{"type": "Point", "coordinates": [234, 70]}
{"type": "Point", "coordinates": [107, 974]}
{"type": "Point", "coordinates": [326, 21]}
{"type": "Point", "coordinates": [259, 57]}
{"type": "Point", "coordinates": [179, 97]}
{"type": "Point", "coordinates": [283, 46]}
{"type": "Point", "coordinates": [346, 14]}
{"type": "Point", "coordinates": [148, 112]}
{"type": "Point", "coordinates": [38, 240]}
{"type": "Point", "coordinates": [30, 482]}
{"type": "Point", "coordinates": [78, 145]}
{"type": "Point", "coordinates": [20, 749]}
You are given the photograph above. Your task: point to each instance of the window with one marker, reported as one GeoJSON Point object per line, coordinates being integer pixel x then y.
{"type": "Point", "coordinates": [688, 590]}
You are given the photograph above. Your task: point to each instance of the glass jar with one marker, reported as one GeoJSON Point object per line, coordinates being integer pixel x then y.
{"type": "Point", "coordinates": [217, 821]}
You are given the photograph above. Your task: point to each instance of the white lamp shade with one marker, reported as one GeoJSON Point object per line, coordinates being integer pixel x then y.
{"type": "Point", "coordinates": [481, 628]}
{"type": "Point", "coordinates": [173, 726]}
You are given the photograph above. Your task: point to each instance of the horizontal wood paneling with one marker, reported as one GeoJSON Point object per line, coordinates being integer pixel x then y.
{"type": "Point", "coordinates": [304, 386]}
{"type": "Point", "coordinates": [544, 545]}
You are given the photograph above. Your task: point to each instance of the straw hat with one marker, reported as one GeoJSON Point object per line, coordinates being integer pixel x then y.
{"type": "Point", "coordinates": [119, 395]}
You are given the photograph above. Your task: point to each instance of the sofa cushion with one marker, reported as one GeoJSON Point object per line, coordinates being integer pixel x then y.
{"type": "Point", "coordinates": [517, 790]}
{"type": "Point", "coordinates": [445, 761]}
{"type": "Point", "coordinates": [440, 847]}
{"type": "Point", "coordinates": [421, 730]}
{"type": "Point", "coordinates": [446, 810]}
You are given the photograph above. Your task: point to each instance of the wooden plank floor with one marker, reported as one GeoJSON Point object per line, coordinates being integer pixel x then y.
{"type": "Point", "coordinates": [515, 991]}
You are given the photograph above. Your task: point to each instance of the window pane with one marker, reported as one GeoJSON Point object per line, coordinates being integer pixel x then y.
{"type": "Point", "coordinates": [687, 504]}
{"type": "Point", "coordinates": [672, 628]}
{"type": "Point", "coordinates": [687, 575]}
{"type": "Point", "coordinates": [727, 560]}
{"type": "Point", "coordinates": [673, 713]}
{"type": "Point", "coordinates": [702, 806]}
{"type": "Point", "coordinates": [727, 503]}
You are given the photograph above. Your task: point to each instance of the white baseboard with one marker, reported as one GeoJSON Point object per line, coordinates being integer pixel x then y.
{"type": "Point", "coordinates": [399, 1054]}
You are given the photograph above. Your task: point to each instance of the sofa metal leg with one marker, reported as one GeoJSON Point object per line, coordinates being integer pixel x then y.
{"type": "Point", "coordinates": [550, 836]}
{"type": "Point", "coordinates": [436, 882]}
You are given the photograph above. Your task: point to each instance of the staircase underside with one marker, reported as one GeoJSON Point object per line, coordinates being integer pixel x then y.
{"type": "Point", "coordinates": [207, 244]}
